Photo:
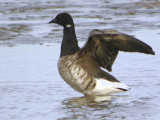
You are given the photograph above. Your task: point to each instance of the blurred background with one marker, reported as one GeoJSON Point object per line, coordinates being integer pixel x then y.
{"type": "Point", "coordinates": [26, 21]}
{"type": "Point", "coordinates": [30, 85]}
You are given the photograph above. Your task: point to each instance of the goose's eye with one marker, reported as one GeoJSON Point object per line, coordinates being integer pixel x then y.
{"type": "Point", "coordinates": [59, 17]}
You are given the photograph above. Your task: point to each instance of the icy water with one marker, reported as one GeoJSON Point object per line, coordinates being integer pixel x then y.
{"type": "Point", "coordinates": [30, 85]}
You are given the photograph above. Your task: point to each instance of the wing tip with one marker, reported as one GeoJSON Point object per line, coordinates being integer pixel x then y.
{"type": "Point", "coordinates": [149, 49]}
{"type": "Point", "coordinates": [145, 48]}
{"type": "Point", "coordinates": [150, 52]}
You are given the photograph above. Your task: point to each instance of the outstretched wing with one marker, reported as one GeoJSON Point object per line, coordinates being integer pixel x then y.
{"type": "Point", "coordinates": [103, 46]}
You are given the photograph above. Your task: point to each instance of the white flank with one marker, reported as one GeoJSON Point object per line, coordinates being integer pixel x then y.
{"type": "Point", "coordinates": [104, 87]}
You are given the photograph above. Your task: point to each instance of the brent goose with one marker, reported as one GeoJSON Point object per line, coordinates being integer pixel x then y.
{"type": "Point", "coordinates": [81, 67]}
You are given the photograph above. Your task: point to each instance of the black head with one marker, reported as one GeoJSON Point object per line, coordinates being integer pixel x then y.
{"type": "Point", "coordinates": [63, 19]}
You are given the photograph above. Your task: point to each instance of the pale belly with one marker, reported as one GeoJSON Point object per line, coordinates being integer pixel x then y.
{"type": "Point", "coordinates": [74, 75]}
{"type": "Point", "coordinates": [82, 81]}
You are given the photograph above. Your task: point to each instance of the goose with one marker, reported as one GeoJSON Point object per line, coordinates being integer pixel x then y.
{"type": "Point", "coordinates": [81, 68]}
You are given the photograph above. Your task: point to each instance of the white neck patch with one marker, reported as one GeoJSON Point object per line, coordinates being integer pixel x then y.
{"type": "Point", "coordinates": [68, 25]}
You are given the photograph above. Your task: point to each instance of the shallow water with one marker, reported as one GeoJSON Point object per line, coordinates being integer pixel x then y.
{"type": "Point", "coordinates": [30, 85]}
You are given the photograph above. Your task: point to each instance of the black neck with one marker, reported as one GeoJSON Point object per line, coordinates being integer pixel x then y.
{"type": "Point", "coordinates": [69, 43]}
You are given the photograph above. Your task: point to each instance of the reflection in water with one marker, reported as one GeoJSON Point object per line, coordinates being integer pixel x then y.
{"type": "Point", "coordinates": [95, 107]}
{"type": "Point", "coordinates": [112, 107]}
{"type": "Point", "coordinates": [88, 100]}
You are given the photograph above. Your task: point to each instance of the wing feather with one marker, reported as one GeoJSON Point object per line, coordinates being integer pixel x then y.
{"type": "Point", "coordinates": [104, 45]}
